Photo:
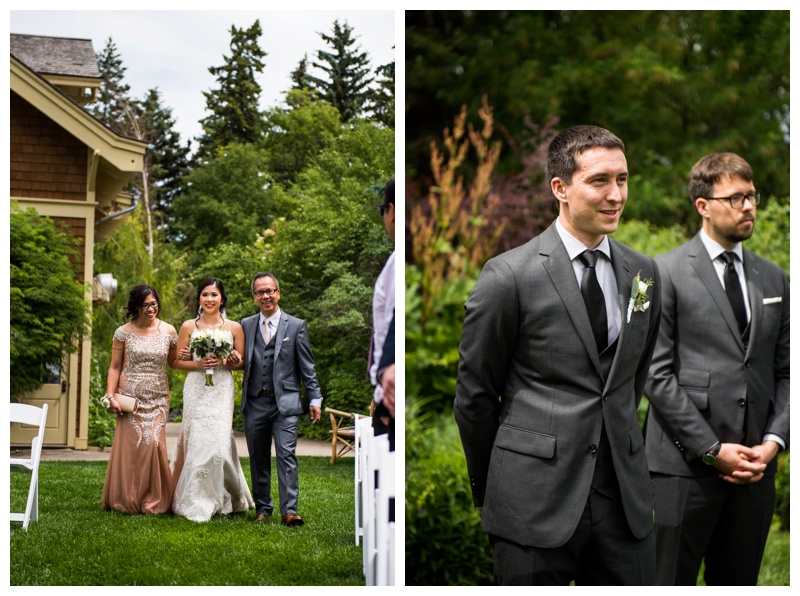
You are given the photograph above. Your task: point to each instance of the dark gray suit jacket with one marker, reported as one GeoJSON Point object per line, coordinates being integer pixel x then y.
{"type": "Point", "coordinates": [702, 376]}
{"type": "Point", "coordinates": [293, 363]}
{"type": "Point", "coordinates": [531, 398]}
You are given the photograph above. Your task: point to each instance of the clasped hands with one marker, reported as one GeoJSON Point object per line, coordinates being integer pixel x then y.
{"type": "Point", "coordinates": [744, 465]}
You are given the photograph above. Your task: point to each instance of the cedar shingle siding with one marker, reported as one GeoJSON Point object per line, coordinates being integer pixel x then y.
{"type": "Point", "coordinates": [46, 161]}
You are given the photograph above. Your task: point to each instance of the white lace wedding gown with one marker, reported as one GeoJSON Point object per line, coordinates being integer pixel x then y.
{"type": "Point", "coordinates": [205, 462]}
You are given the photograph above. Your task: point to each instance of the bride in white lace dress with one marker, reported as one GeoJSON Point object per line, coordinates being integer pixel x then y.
{"type": "Point", "coordinates": [205, 462]}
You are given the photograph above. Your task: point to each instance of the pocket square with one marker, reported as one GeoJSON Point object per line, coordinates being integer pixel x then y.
{"type": "Point", "coordinates": [285, 339]}
{"type": "Point", "coordinates": [773, 300]}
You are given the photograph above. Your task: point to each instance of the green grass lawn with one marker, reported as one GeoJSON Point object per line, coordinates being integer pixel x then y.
{"type": "Point", "coordinates": [76, 542]}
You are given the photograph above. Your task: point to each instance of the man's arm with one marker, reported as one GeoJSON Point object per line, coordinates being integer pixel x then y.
{"type": "Point", "coordinates": [305, 360]}
{"type": "Point", "coordinates": [684, 420]}
{"type": "Point", "coordinates": [488, 338]}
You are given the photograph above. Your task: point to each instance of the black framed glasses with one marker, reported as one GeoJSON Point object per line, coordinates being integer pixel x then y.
{"type": "Point", "coordinates": [737, 200]}
{"type": "Point", "coordinates": [268, 292]}
{"type": "Point", "coordinates": [149, 306]}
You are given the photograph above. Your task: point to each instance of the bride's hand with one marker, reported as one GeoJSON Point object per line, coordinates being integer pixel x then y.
{"type": "Point", "coordinates": [210, 361]}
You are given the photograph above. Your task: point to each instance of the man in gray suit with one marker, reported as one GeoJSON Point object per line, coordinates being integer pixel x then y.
{"type": "Point", "coordinates": [554, 357]}
{"type": "Point", "coordinates": [277, 357]}
{"type": "Point", "coordinates": [718, 388]}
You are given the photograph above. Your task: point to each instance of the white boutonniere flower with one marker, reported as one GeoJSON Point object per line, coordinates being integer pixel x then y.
{"type": "Point", "coordinates": [639, 301]}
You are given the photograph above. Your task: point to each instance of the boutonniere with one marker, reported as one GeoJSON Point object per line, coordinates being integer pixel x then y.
{"type": "Point", "coordinates": [639, 301]}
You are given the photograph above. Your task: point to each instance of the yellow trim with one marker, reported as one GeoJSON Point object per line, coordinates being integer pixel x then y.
{"type": "Point", "coordinates": [124, 154]}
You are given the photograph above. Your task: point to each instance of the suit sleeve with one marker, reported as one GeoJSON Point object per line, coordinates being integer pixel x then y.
{"type": "Point", "coordinates": [685, 422]}
{"type": "Point", "coordinates": [778, 422]}
{"type": "Point", "coordinates": [305, 361]}
{"type": "Point", "coordinates": [487, 346]}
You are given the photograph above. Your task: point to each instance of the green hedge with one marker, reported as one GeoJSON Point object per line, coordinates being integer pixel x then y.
{"type": "Point", "coordinates": [444, 541]}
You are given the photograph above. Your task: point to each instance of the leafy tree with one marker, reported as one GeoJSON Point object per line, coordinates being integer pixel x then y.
{"type": "Point", "coordinates": [347, 71]}
{"type": "Point", "coordinates": [235, 117]}
{"type": "Point", "coordinates": [297, 135]}
{"type": "Point", "coordinates": [674, 85]}
{"type": "Point", "coordinates": [113, 101]}
{"type": "Point", "coordinates": [225, 200]}
{"type": "Point", "coordinates": [49, 310]}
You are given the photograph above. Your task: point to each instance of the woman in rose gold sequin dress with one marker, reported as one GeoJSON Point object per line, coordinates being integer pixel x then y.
{"type": "Point", "coordinates": [138, 478]}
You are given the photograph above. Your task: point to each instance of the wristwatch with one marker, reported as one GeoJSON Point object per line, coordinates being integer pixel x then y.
{"type": "Point", "coordinates": [710, 456]}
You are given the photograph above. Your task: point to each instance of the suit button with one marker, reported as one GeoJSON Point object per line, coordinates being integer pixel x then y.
{"type": "Point", "coordinates": [742, 402]}
{"type": "Point", "coordinates": [592, 448]}
{"type": "Point", "coordinates": [747, 364]}
{"type": "Point", "coordinates": [605, 398]}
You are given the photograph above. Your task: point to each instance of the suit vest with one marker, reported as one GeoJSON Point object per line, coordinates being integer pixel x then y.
{"type": "Point", "coordinates": [263, 360]}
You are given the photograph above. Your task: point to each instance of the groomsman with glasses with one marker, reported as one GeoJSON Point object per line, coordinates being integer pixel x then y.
{"type": "Point", "coordinates": [718, 388]}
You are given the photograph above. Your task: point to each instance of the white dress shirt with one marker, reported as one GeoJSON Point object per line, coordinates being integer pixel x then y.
{"type": "Point", "coordinates": [605, 277]}
{"type": "Point", "coordinates": [382, 313]}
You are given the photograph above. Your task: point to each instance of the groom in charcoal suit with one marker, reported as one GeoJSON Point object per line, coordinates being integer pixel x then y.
{"type": "Point", "coordinates": [718, 388]}
{"type": "Point", "coordinates": [552, 367]}
{"type": "Point", "coordinates": [277, 357]}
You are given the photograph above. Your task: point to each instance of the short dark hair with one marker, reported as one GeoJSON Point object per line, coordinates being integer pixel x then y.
{"type": "Point", "coordinates": [712, 168]}
{"type": "Point", "coordinates": [136, 298]}
{"type": "Point", "coordinates": [388, 193]}
{"type": "Point", "coordinates": [212, 281]}
{"type": "Point", "coordinates": [261, 274]}
{"type": "Point", "coordinates": [574, 141]}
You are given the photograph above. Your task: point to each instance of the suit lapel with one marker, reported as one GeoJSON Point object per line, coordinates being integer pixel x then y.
{"type": "Point", "coordinates": [705, 270]}
{"type": "Point", "coordinates": [756, 298]}
{"type": "Point", "coordinates": [280, 333]}
{"type": "Point", "coordinates": [559, 268]}
{"type": "Point", "coordinates": [624, 277]}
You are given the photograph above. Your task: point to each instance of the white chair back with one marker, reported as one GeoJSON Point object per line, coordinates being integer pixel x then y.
{"type": "Point", "coordinates": [33, 416]}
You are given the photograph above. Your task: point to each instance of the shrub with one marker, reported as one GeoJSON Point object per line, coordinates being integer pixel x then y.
{"type": "Point", "coordinates": [444, 541]}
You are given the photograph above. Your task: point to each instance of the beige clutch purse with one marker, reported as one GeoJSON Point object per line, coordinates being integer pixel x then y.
{"type": "Point", "coordinates": [127, 403]}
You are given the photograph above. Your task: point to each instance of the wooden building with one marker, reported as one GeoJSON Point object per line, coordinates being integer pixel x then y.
{"type": "Point", "coordinates": [69, 166]}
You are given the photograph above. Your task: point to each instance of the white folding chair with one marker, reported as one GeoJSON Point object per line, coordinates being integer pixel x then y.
{"type": "Point", "coordinates": [361, 425]}
{"type": "Point", "coordinates": [367, 454]}
{"type": "Point", "coordinates": [37, 417]}
{"type": "Point", "coordinates": [384, 524]}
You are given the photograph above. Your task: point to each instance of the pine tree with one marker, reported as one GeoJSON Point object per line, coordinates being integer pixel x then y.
{"type": "Point", "coordinates": [300, 75]}
{"type": "Point", "coordinates": [382, 100]}
{"type": "Point", "coordinates": [113, 100]}
{"type": "Point", "coordinates": [167, 161]}
{"type": "Point", "coordinates": [348, 73]}
{"type": "Point", "coordinates": [235, 116]}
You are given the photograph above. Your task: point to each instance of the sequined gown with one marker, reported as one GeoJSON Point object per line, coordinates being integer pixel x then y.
{"type": "Point", "coordinates": [138, 477]}
{"type": "Point", "coordinates": [205, 463]}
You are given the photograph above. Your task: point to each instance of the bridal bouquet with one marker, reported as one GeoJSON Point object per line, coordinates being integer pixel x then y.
{"type": "Point", "coordinates": [204, 342]}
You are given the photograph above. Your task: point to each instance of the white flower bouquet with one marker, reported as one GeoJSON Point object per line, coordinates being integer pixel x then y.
{"type": "Point", "coordinates": [204, 342]}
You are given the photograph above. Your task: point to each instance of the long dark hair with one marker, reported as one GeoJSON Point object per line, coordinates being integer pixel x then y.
{"type": "Point", "coordinates": [137, 297]}
{"type": "Point", "coordinates": [212, 281]}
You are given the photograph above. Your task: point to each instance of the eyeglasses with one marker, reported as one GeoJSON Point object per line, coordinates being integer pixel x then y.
{"type": "Point", "coordinates": [268, 292]}
{"type": "Point", "coordinates": [149, 306]}
{"type": "Point", "coordinates": [737, 200]}
{"type": "Point", "coordinates": [383, 208]}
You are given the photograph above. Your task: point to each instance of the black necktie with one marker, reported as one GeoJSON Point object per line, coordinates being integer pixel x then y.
{"type": "Point", "coordinates": [594, 300]}
{"type": "Point", "coordinates": [733, 288]}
